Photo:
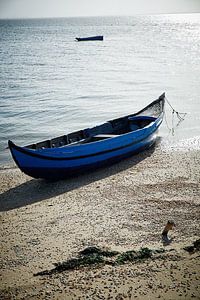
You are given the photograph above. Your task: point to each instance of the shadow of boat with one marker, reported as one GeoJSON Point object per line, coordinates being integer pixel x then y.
{"type": "Point", "coordinates": [36, 190]}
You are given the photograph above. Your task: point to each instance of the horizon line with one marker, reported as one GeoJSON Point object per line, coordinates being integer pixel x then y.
{"type": "Point", "coordinates": [98, 16]}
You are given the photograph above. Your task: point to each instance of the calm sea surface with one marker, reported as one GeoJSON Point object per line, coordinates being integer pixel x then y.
{"type": "Point", "coordinates": [51, 85]}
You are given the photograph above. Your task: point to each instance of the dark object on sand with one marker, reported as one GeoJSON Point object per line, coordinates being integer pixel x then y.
{"type": "Point", "coordinates": [193, 248]}
{"type": "Point", "coordinates": [90, 148]}
{"type": "Point", "coordinates": [91, 38]}
{"type": "Point", "coordinates": [197, 244]}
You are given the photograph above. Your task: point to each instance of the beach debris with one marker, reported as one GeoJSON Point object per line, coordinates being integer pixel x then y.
{"type": "Point", "coordinates": [95, 250]}
{"type": "Point", "coordinates": [193, 248]}
{"type": "Point", "coordinates": [89, 256]}
{"type": "Point", "coordinates": [73, 263]}
{"type": "Point", "coordinates": [169, 226]}
{"type": "Point", "coordinates": [134, 255]}
{"type": "Point", "coordinates": [126, 256]}
{"type": "Point", "coordinates": [92, 256]}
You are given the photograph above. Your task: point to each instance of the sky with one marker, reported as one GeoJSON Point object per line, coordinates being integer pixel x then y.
{"type": "Point", "coordinates": [72, 8]}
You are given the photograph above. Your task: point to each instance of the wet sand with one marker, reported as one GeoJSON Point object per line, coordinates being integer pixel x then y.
{"type": "Point", "coordinates": [123, 207]}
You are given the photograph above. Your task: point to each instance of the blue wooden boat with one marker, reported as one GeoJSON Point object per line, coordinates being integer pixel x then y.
{"type": "Point", "coordinates": [91, 38]}
{"type": "Point", "coordinates": [87, 149]}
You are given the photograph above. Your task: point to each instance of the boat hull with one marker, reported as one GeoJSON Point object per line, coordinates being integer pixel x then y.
{"type": "Point", "coordinates": [92, 38]}
{"type": "Point", "coordinates": [77, 158]}
{"type": "Point", "coordinates": [55, 169]}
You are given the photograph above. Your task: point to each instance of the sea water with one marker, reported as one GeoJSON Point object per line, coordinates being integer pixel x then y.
{"type": "Point", "coordinates": [51, 85]}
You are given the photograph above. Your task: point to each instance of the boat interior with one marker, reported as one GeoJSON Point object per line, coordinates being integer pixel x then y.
{"type": "Point", "coordinates": [104, 131]}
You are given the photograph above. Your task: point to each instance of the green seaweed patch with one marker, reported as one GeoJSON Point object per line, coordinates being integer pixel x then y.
{"type": "Point", "coordinates": [145, 253]}
{"type": "Point", "coordinates": [73, 263]}
{"type": "Point", "coordinates": [87, 257]}
{"type": "Point", "coordinates": [94, 256]}
{"type": "Point", "coordinates": [126, 256]}
{"type": "Point", "coordinates": [133, 255]}
{"type": "Point", "coordinates": [79, 262]}
{"type": "Point", "coordinates": [95, 250]}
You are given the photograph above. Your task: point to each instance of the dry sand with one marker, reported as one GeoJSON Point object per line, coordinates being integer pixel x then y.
{"type": "Point", "coordinates": [122, 207]}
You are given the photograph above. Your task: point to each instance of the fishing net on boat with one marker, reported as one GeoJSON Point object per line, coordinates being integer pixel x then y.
{"type": "Point", "coordinates": [176, 118]}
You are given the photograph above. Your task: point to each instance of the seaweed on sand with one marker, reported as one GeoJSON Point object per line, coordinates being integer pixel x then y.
{"type": "Point", "coordinates": [87, 257]}
{"type": "Point", "coordinates": [96, 256]}
{"type": "Point", "coordinates": [73, 263]}
{"type": "Point", "coordinates": [134, 255]}
{"type": "Point", "coordinates": [95, 250]}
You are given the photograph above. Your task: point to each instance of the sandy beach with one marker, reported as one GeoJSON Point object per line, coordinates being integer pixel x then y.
{"type": "Point", "coordinates": [123, 207]}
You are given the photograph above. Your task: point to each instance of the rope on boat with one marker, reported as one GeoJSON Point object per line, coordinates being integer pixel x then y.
{"type": "Point", "coordinates": [180, 116]}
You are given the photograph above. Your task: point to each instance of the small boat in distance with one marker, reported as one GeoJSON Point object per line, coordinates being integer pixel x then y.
{"type": "Point", "coordinates": [91, 38]}
{"type": "Point", "coordinates": [87, 149]}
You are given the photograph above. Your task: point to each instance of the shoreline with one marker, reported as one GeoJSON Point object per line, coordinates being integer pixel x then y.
{"type": "Point", "coordinates": [123, 207]}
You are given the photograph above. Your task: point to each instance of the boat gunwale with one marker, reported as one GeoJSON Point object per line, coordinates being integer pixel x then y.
{"type": "Point", "coordinates": [28, 152]}
{"type": "Point", "coordinates": [84, 145]}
